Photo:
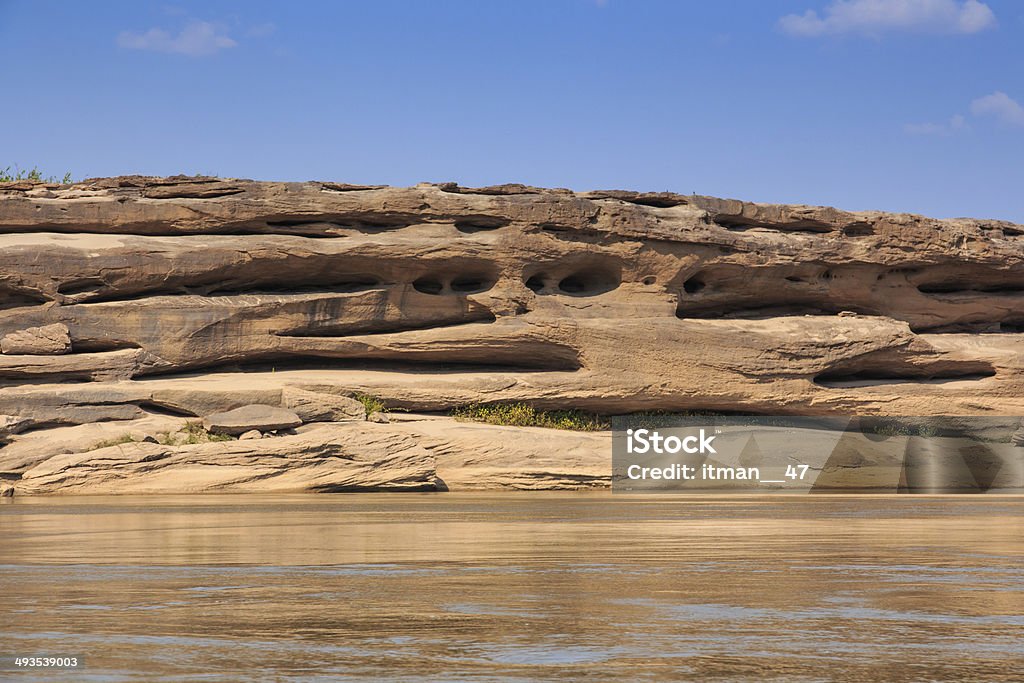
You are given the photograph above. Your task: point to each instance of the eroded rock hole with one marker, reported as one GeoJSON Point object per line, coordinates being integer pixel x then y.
{"type": "Point", "coordinates": [344, 285]}
{"type": "Point", "coordinates": [694, 285]}
{"type": "Point", "coordinates": [357, 284]}
{"type": "Point", "coordinates": [859, 230]}
{"type": "Point", "coordinates": [740, 224]}
{"type": "Point", "coordinates": [896, 372]}
{"type": "Point", "coordinates": [588, 282]}
{"type": "Point", "coordinates": [17, 299]}
{"type": "Point", "coordinates": [469, 285]}
{"type": "Point", "coordinates": [428, 285]}
{"type": "Point", "coordinates": [482, 224]}
{"type": "Point", "coordinates": [573, 284]}
{"type": "Point", "coordinates": [955, 287]}
{"type": "Point", "coordinates": [81, 286]}
{"type": "Point", "coordinates": [575, 281]}
{"type": "Point", "coordinates": [465, 283]}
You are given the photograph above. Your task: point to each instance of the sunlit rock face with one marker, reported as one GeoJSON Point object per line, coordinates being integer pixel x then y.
{"type": "Point", "coordinates": [187, 296]}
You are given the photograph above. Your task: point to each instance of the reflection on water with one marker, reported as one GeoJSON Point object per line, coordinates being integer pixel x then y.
{"type": "Point", "coordinates": [519, 586]}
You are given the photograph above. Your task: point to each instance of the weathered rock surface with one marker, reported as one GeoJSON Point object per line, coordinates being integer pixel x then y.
{"type": "Point", "coordinates": [262, 418]}
{"type": "Point", "coordinates": [49, 340]}
{"type": "Point", "coordinates": [312, 406]}
{"type": "Point", "coordinates": [192, 296]}
{"type": "Point", "coordinates": [482, 456]}
{"type": "Point", "coordinates": [12, 424]}
{"type": "Point", "coordinates": [28, 450]}
{"type": "Point", "coordinates": [346, 457]}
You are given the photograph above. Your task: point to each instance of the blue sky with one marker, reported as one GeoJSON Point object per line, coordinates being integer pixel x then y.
{"type": "Point", "coordinates": [904, 105]}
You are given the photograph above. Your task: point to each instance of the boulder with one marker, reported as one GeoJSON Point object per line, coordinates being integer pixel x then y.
{"type": "Point", "coordinates": [252, 417]}
{"type": "Point", "coordinates": [48, 340]}
{"type": "Point", "coordinates": [250, 435]}
{"type": "Point", "coordinates": [315, 406]}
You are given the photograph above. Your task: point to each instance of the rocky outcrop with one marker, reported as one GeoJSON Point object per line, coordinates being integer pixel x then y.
{"type": "Point", "coordinates": [329, 458]}
{"type": "Point", "coordinates": [50, 340]}
{"type": "Point", "coordinates": [262, 418]}
{"type": "Point", "coordinates": [313, 406]}
{"type": "Point", "coordinates": [183, 297]}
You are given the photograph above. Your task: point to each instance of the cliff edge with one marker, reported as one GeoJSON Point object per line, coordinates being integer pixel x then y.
{"type": "Point", "coordinates": [136, 305]}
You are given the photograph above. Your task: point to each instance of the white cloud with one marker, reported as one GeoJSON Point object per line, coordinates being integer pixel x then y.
{"type": "Point", "coordinates": [955, 123]}
{"type": "Point", "coordinates": [197, 39]}
{"type": "Point", "coordinates": [1001, 106]}
{"type": "Point", "coordinates": [872, 17]}
{"type": "Point", "coordinates": [261, 30]}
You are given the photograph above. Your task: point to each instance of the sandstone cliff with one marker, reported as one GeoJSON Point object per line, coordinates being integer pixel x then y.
{"type": "Point", "coordinates": [134, 300]}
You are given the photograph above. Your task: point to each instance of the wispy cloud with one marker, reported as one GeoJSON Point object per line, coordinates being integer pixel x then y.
{"type": "Point", "coordinates": [956, 123]}
{"type": "Point", "coordinates": [196, 39]}
{"type": "Point", "coordinates": [874, 17]}
{"type": "Point", "coordinates": [998, 106]}
{"type": "Point", "coordinates": [1001, 106]}
{"type": "Point", "coordinates": [261, 30]}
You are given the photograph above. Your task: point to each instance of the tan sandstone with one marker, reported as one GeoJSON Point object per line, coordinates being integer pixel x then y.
{"type": "Point", "coordinates": [184, 297]}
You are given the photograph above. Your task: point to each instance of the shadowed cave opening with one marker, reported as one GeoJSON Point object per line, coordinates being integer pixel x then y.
{"type": "Point", "coordinates": [575, 282]}
{"type": "Point", "coordinates": [558, 360]}
{"type": "Point", "coordinates": [428, 285]}
{"type": "Point", "coordinates": [371, 327]}
{"type": "Point", "coordinates": [693, 285]}
{"type": "Point", "coordinates": [740, 224]}
{"type": "Point", "coordinates": [104, 292]}
{"type": "Point", "coordinates": [370, 223]}
{"type": "Point", "coordinates": [729, 291]}
{"type": "Point", "coordinates": [469, 283]}
{"type": "Point", "coordinates": [870, 372]}
{"type": "Point", "coordinates": [476, 224]}
{"type": "Point", "coordinates": [960, 287]}
{"type": "Point", "coordinates": [344, 285]}
{"type": "Point", "coordinates": [17, 299]}
{"type": "Point", "coordinates": [80, 286]}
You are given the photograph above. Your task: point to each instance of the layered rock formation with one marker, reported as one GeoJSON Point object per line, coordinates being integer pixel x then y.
{"type": "Point", "coordinates": [132, 299]}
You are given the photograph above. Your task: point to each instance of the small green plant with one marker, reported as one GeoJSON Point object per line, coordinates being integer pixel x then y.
{"type": "Point", "coordinates": [194, 433]}
{"type": "Point", "coordinates": [117, 441]}
{"type": "Point", "coordinates": [372, 404]}
{"type": "Point", "coordinates": [191, 433]}
{"type": "Point", "coordinates": [898, 428]}
{"type": "Point", "coordinates": [525, 415]}
{"type": "Point", "coordinates": [8, 176]}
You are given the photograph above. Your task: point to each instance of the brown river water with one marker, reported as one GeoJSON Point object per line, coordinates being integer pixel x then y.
{"type": "Point", "coordinates": [515, 587]}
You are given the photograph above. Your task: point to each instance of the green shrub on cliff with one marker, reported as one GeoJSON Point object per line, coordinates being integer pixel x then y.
{"type": "Point", "coordinates": [371, 403]}
{"type": "Point", "coordinates": [7, 176]}
{"type": "Point", "coordinates": [525, 415]}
